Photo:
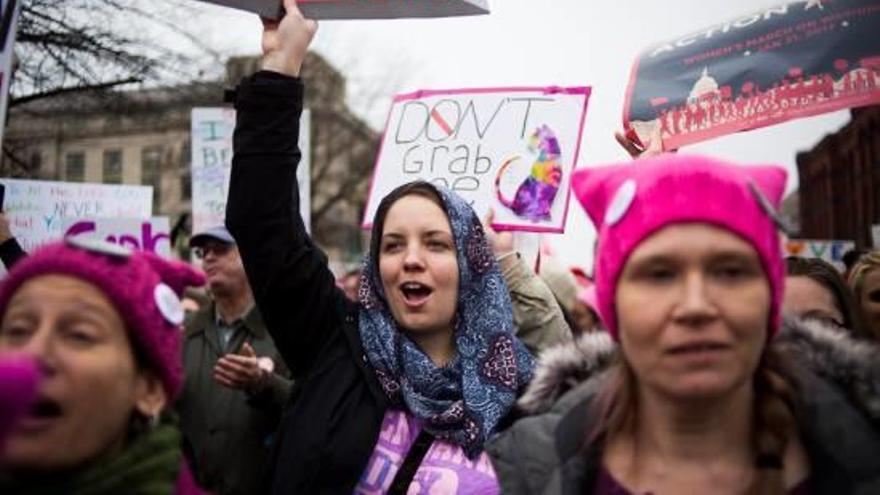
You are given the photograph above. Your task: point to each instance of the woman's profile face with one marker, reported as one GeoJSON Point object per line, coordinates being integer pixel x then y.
{"type": "Point", "coordinates": [90, 386]}
{"type": "Point", "coordinates": [693, 305]}
{"type": "Point", "coordinates": [418, 265]}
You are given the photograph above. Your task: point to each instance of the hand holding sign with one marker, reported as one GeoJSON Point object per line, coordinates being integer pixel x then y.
{"type": "Point", "coordinates": [285, 43]}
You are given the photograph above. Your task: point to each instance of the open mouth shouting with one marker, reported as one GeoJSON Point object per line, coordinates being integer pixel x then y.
{"type": "Point", "coordinates": [41, 415]}
{"type": "Point", "coordinates": [415, 294]}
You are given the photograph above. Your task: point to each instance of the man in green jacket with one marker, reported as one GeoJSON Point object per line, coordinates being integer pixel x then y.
{"type": "Point", "coordinates": [236, 382]}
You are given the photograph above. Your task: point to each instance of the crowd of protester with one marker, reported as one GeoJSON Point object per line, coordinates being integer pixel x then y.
{"type": "Point", "coordinates": [694, 359]}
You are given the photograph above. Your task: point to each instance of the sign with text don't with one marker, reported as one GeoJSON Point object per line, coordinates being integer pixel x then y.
{"type": "Point", "coordinates": [508, 149]}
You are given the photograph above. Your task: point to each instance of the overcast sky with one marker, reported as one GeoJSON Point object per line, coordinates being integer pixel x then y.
{"type": "Point", "coordinates": [531, 42]}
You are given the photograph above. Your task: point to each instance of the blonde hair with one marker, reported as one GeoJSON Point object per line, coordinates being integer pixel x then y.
{"type": "Point", "coordinates": [775, 419]}
{"type": "Point", "coordinates": [867, 263]}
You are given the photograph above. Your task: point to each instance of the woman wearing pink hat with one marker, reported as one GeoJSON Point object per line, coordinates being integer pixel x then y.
{"type": "Point", "coordinates": [701, 387]}
{"type": "Point", "coordinates": [102, 327]}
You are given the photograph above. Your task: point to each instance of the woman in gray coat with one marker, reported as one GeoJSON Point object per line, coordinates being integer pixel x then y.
{"type": "Point", "coordinates": [698, 387]}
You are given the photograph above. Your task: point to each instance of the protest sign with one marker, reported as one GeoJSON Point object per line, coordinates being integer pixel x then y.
{"type": "Point", "coordinates": [830, 251]}
{"type": "Point", "coordinates": [509, 149]}
{"type": "Point", "coordinates": [785, 62]}
{"type": "Point", "coordinates": [151, 235]}
{"type": "Point", "coordinates": [9, 10]}
{"type": "Point", "coordinates": [38, 210]}
{"type": "Point", "coordinates": [212, 130]}
{"type": "Point", "coordinates": [363, 9]}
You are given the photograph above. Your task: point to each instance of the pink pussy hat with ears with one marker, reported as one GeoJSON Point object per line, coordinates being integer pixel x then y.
{"type": "Point", "coordinates": [628, 202]}
{"type": "Point", "coordinates": [144, 288]}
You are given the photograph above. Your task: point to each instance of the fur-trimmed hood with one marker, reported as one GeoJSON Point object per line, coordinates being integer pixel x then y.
{"type": "Point", "coordinates": [853, 365]}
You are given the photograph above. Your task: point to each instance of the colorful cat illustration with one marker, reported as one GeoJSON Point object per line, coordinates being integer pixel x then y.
{"type": "Point", "coordinates": [534, 197]}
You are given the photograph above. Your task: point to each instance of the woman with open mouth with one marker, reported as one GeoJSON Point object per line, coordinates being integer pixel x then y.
{"type": "Point", "coordinates": [103, 326]}
{"type": "Point", "coordinates": [699, 386]}
{"type": "Point", "coordinates": [398, 393]}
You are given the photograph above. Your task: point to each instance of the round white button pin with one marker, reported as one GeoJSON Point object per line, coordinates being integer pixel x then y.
{"type": "Point", "coordinates": [621, 202]}
{"type": "Point", "coordinates": [168, 304]}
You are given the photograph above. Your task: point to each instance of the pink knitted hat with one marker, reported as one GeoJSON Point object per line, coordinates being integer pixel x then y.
{"type": "Point", "coordinates": [628, 202]}
{"type": "Point", "coordinates": [143, 287]}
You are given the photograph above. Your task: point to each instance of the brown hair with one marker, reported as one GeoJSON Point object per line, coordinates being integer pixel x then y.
{"type": "Point", "coordinates": [775, 423]}
{"type": "Point", "coordinates": [417, 188]}
{"type": "Point", "coordinates": [828, 277]}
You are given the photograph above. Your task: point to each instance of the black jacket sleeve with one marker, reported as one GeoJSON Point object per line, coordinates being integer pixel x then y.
{"type": "Point", "coordinates": [293, 288]}
{"type": "Point", "coordinates": [11, 253]}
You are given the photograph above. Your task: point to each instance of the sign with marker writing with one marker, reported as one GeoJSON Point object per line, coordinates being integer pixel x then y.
{"type": "Point", "coordinates": [151, 235]}
{"type": "Point", "coordinates": [784, 62]}
{"type": "Point", "coordinates": [39, 211]}
{"type": "Point", "coordinates": [830, 251]}
{"type": "Point", "coordinates": [363, 9]}
{"type": "Point", "coordinates": [509, 149]}
{"type": "Point", "coordinates": [212, 130]}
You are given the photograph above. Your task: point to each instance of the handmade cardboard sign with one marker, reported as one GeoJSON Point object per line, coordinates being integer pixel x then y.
{"type": "Point", "coordinates": [39, 211]}
{"type": "Point", "coordinates": [212, 130]}
{"type": "Point", "coordinates": [794, 60]}
{"type": "Point", "coordinates": [830, 251]}
{"type": "Point", "coordinates": [363, 9]}
{"type": "Point", "coordinates": [509, 149]}
{"type": "Point", "coordinates": [151, 235]}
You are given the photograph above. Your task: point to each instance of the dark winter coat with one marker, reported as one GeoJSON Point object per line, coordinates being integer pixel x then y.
{"type": "Point", "coordinates": [838, 380]}
{"type": "Point", "coordinates": [230, 431]}
{"type": "Point", "coordinates": [313, 324]}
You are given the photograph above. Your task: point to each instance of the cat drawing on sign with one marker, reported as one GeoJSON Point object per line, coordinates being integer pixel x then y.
{"type": "Point", "coordinates": [534, 197]}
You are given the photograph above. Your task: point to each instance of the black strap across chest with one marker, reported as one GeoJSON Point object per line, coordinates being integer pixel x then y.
{"type": "Point", "coordinates": [411, 464]}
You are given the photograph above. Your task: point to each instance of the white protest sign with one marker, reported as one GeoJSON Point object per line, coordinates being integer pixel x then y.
{"type": "Point", "coordinates": [509, 149]}
{"type": "Point", "coordinates": [9, 10]}
{"type": "Point", "coordinates": [212, 130]}
{"type": "Point", "coordinates": [151, 235]}
{"type": "Point", "coordinates": [363, 9]}
{"type": "Point", "coordinates": [830, 251]}
{"type": "Point", "coordinates": [37, 210]}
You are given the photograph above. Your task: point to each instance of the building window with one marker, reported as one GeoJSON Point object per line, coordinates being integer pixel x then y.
{"type": "Point", "coordinates": [151, 172]}
{"type": "Point", "coordinates": [112, 167]}
{"type": "Point", "coordinates": [75, 167]}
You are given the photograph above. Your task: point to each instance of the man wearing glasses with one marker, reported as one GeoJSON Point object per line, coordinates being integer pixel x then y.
{"type": "Point", "coordinates": [236, 383]}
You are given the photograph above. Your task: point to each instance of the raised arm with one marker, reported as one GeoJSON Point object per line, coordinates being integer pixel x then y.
{"type": "Point", "coordinates": [294, 290]}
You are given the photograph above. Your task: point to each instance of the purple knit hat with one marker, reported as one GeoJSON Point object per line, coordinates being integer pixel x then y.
{"type": "Point", "coordinates": [629, 202]}
{"type": "Point", "coordinates": [143, 287]}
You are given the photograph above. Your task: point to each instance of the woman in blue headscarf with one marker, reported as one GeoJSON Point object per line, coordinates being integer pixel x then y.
{"type": "Point", "coordinates": [396, 394]}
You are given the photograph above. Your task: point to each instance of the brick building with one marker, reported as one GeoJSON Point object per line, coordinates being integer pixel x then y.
{"type": "Point", "coordinates": [143, 137]}
{"type": "Point", "coordinates": [840, 181]}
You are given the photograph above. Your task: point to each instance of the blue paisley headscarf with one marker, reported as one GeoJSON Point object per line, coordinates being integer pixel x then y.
{"type": "Point", "coordinates": [464, 401]}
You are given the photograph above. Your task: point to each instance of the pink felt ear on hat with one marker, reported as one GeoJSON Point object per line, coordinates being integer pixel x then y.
{"type": "Point", "coordinates": [770, 180]}
{"type": "Point", "coordinates": [175, 274]}
{"type": "Point", "coordinates": [594, 188]}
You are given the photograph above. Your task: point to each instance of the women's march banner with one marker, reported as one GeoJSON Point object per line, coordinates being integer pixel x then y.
{"type": "Point", "coordinates": [363, 9]}
{"type": "Point", "coordinates": [793, 60]}
{"type": "Point", "coordinates": [509, 149]}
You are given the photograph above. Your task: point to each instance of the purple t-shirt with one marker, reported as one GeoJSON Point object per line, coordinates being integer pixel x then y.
{"type": "Point", "coordinates": [444, 470]}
